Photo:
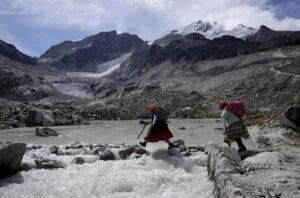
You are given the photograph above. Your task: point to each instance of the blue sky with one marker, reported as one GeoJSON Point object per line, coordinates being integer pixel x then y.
{"type": "Point", "coordinates": [35, 25]}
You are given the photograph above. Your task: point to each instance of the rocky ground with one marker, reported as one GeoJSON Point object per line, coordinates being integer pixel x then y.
{"type": "Point", "coordinates": [272, 170]}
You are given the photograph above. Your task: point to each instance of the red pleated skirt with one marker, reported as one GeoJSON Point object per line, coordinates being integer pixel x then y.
{"type": "Point", "coordinates": [157, 135]}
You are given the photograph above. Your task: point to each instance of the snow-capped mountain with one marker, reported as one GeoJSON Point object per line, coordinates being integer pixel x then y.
{"type": "Point", "coordinates": [214, 30]}
{"type": "Point", "coordinates": [240, 31]}
{"type": "Point", "coordinates": [207, 29]}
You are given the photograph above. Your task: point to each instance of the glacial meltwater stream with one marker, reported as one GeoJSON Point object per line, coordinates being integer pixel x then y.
{"type": "Point", "coordinates": [156, 175]}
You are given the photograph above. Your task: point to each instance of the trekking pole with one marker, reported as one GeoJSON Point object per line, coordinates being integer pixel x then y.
{"type": "Point", "coordinates": [141, 131]}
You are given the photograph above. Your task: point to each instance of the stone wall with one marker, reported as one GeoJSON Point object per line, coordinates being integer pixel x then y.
{"type": "Point", "coordinates": [263, 173]}
{"type": "Point", "coordinates": [223, 164]}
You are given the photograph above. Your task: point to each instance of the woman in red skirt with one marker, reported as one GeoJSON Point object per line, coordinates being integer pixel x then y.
{"type": "Point", "coordinates": [159, 129]}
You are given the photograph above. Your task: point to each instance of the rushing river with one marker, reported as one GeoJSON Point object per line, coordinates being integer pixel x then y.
{"type": "Point", "coordinates": [156, 175]}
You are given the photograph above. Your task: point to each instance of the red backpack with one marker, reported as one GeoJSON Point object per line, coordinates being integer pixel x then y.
{"type": "Point", "coordinates": [237, 108]}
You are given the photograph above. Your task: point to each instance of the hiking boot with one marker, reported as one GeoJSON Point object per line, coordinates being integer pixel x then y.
{"type": "Point", "coordinates": [241, 150]}
{"type": "Point", "coordinates": [243, 154]}
{"type": "Point", "coordinates": [143, 144]}
{"type": "Point", "coordinates": [171, 145]}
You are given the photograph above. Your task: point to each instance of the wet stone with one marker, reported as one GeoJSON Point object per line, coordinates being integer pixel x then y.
{"type": "Point", "coordinates": [282, 180]}
{"type": "Point", "coordinates": [48, 164]}
{"type": "Point", "coordinates": [78, 160]}
{"type": "Point", "coordinates": [75, 145]}
{"type": "Point", "coordinates": [107, 155]}
{"type": "Point", "coordinates": [45, 132]}
{"type": "Point", "coordinates": [54, 150]}
{"type": "Point", "coordinates": [96, 150]}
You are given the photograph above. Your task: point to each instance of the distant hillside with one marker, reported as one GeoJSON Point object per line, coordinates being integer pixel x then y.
{"type": "Point", "coordinates": [11, 52]}
{"type": "Point", "coordinates": [194, 47]}
{"type": "Point", "coordinates": [225, 67]}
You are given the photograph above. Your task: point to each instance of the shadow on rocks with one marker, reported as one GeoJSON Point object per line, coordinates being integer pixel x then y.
{"type": "Point", "coordinates": [14, 179]}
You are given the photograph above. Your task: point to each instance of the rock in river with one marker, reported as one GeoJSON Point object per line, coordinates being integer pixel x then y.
{"type": "Point", "coordinates": [11, 155]}
{"type": "Point", "coordinates": [45, 132]}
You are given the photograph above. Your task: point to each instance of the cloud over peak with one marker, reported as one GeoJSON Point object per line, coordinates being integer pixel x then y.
{"type": "Point", "coordinates": [147, 18]}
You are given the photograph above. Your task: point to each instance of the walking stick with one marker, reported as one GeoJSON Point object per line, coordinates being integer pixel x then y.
{"type": "Point", "coordinates": [141, 131]}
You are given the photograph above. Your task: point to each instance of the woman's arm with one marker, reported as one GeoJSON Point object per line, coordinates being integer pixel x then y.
{"type": "Point", "coordinates": [154, 119]}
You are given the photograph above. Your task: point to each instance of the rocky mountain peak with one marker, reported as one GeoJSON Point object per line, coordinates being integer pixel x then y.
{"type": "Point", "coordinates": [106, 35]}
{"type": "Point", "coordinates": [203, 26]}
{"type": "Point", "coordinates": [264, 28]}
{"type": "Point", "coordinates": [267, 34]}
{"type": "Point", "coordinates": [209, 30]}
{"type": "Point", "coordinates": [242, 27]}
{"type": "Point", "coordinates": [86, 54]}
{"type": "Point", "coordinates": [11, 52]}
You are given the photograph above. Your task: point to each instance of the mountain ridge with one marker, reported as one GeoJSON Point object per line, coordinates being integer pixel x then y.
{"type": "Point", "coordinates": [209, 30]}
{"type": "Point", "coordinates": [91, 51]}
{"type": "Point", "coordinates": [195, 47]}
{"type": "Point", "coordinates": [10, 51]}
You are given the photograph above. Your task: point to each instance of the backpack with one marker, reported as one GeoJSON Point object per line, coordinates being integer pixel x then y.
{"type": "Point", "coordinates": [237, 108]}
{"type": "Point", "coordinates": [162, 113]}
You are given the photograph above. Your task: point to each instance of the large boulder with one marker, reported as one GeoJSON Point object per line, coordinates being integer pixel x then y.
{"type": "Point", "coordinates": [38, 117]}
{"type": "Point", "coordinates": [11, 155]}
{"type": "Point", "coordinates": [45, 132]}
{"type": "Point", "coordinates": [293, 115]}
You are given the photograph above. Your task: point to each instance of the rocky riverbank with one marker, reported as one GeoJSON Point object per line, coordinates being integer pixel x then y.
{"type": "Point", "coordinates": [270, 170]}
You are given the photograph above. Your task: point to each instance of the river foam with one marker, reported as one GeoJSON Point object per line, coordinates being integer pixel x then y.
{"type": "Point", "coordinates": [157, 175]}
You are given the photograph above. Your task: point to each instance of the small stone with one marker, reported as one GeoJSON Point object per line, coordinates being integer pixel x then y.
{"type": "Point", "coordinates": [182, 128]}
{"type": "Point", "coordinates": [75, 145]}
{"type": "Point", "coordinates": [96, 150]}
{"type": "Point", "coordinates": [48, 164]}
{"type": "Point", "coordinates": [193, 150]}
{"type": "Point", "coordinates": [45, 132]}
{"type": "Point", "coordinates": [125, 153]}
{"type": "Point", "coordinates": [192, 147]}
{"type": "Point", "coordinates": [187, 154]}
{"type": "Point", "coordinates": [33, 147]}
{"type": "Point", "coordinates": [218, 129]}
{"type": "Point", "coordinates": [78, 160]}
{"type": "Point", "coordinates": [182, 148]}
{"type": "Point", "coordinates": [282, 180]}
{"type": "Point", "coordinates": [107, 155]}
{"type": "Point", "coordinates": [54, 149]}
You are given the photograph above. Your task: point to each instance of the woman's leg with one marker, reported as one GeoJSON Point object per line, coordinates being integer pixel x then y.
{"type": "Point", "coordinates": [143, 144]}
{"type": "Point", "coordinates": [169, 143]}
{"type": "Point", "coordinates": [240, 144]}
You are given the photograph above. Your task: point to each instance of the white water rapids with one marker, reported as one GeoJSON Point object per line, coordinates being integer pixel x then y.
{"type": "Point", "coordinates": [156, 175]}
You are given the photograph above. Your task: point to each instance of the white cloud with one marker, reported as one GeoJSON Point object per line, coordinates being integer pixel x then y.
{"type": "Point", "coordinates": [147, 18]}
